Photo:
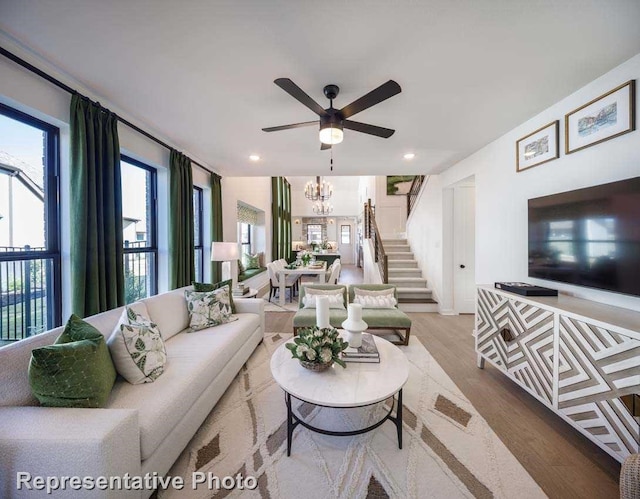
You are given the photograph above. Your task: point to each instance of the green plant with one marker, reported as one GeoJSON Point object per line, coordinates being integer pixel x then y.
{"type": "Point", "coordinates": [318, 345]}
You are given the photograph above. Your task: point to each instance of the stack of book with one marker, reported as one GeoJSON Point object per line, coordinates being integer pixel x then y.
{"type": "Point", "coordinates": [367, 352]}
{"type": "Point", "coordinates": [241, 290]}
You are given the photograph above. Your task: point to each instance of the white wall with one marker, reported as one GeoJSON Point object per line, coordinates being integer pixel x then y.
{"type": "Point", "coordinates": [31, 94]}
{"type": "Point", "coordinates": [391, 211]}
{"type": "Point", "coordinates": [425, 234]}
{"type": "Point", "coordinates": [255, 192]}
{"type": "Point", "coordinates": [501, 193]}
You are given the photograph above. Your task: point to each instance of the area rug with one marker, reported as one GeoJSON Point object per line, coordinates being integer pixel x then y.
{"type": "Point", "coordinates": [273, 306]}
{"type": "Point", "coordinates": [449, 450]}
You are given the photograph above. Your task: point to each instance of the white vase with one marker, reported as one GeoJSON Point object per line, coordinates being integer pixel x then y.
{"type": "Point", "coordinates": [354, 338]}
{"type": "Point", "coordinates": [354, 325]}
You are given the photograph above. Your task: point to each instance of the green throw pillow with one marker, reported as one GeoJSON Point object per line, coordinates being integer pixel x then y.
{"type": "Point", "coordinates": [251, 261]}
{"type": "Point", "coordinates": [204, 287]}
{"type": "Point", "coordinates": [76, 371]}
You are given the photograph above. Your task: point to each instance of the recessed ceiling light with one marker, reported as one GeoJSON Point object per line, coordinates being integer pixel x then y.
{"type": "Point", "coordinates": [254, 157]}
{"type": "Point", "coordinates": [409, 155]}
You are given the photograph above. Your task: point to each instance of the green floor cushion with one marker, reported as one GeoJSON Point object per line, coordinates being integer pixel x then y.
{"type": "Point", "coordinates": [307, 317]}
{"type": "Point", "coordinates": [76, 371]}
{"type": "Point", "coordinates": [250, 273]}
{"type": "Point", "coordinates": [386, 318]}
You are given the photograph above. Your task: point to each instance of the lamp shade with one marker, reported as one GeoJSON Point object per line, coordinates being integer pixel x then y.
{"type": "Point", "coordinates": [331, 134]}
{"type": "Point", "coordinates": [224, 252]}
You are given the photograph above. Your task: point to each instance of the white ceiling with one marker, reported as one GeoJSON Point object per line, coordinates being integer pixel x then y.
{"type": "Point", "coordinates": [201, 72]}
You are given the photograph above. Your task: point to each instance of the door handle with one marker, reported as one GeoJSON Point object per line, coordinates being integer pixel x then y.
{"type": "Point", "coordinates": [462, 266]}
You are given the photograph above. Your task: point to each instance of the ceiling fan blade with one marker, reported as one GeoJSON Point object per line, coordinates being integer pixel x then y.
{"type": "Point", "coordinates": [324, 147]}
{"type": "Point", "coordinates": [379, 131]}
{"type": "Point", "coordinates": [383, 92]}
{"type": "Point", "coordinates": [288, 127]}
{"type": "Point", "coordinates": [297, 93]}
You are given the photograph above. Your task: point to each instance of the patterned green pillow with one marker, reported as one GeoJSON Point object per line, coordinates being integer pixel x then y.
{"type": "Point", "coordinates": [241, 268]}
{"type": "Point", "coordinates": [208, 309]}
{"type": "Point", "coordinates": [76, 371]}
{"type": "Point", "coordinates": [137, 348]}
{"type": "Point", "coordinates": [203, 286]}
{"type": "Point", "coordinates": [251, 261]}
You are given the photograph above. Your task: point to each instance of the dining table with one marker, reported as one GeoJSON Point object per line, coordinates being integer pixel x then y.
{"type": "Point", "coordinates": [319, 269]}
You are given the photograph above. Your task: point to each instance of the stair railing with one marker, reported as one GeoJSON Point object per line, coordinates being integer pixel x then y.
{"type": "Point", "coordinates": [371, 232]}
{"type": "Point", "coordinates": [414, 190]}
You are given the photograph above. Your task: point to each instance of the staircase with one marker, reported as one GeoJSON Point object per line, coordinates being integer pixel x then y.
{"type": "Point", "coordinates": [413, 293]}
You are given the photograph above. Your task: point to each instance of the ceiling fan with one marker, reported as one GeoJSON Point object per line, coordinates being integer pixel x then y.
{"type": "Point", "coordinates": [333, 121]}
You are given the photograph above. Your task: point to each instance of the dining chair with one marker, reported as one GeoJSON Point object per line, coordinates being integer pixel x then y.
{"type": "Point", "coordinates": [274, 281]}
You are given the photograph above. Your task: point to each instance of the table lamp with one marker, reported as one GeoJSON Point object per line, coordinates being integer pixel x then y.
{"type": "Point", "coordinates": [225, 253]}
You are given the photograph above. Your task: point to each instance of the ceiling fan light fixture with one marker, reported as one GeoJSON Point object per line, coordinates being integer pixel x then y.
{"type": "Point", "coordinates": [331, 133]}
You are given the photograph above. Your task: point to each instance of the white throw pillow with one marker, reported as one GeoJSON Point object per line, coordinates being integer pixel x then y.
{"type": "Point", "coordinates": [375, 301]}
{"type": "Point", "coordinates": [208, 309]}
{"type": "Point", "coordinates": [137, 348]}
{"type": "Point", "coordinates": [374, 292]}
{"type": "Point", "coordinates": [335, 301]}
{"type": "Point", "coordinates": [309, 292]}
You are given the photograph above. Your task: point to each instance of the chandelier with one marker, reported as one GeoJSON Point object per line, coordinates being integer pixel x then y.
{"type": "Point", "coordinates": [322, 208]}
{"type": "Point", "coordinates": [320, 191]}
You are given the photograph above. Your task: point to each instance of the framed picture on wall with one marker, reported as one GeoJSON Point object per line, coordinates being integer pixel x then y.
{"type": "Point", "coordinates": [606, 117]}
{"type": "Point", "coordinates": [399, 185]}
{"type": "Point", "coordinates": [538, 147]}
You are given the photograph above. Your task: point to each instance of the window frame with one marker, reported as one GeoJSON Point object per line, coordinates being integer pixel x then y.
{"type": "Point", "coordinates": [52, 213]}
{"type": "Point", "coordinates": [248, 242]}
{"type": "Point", "coordinates": [199, 245]}
{"type": "Point", "coordinates": [319, 226]}
{"type": "Point", "coordinates": [152, 246]}
{"type": "Point", "coordinates": [342, 233]}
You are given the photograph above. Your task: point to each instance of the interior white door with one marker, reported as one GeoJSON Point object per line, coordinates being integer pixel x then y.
{"type": "Point", "coordinates": [464, 239]}
{"type": "Point", "coordinates": [346, 244]}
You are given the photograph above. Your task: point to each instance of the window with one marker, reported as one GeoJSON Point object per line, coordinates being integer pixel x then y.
{"type": "Point", "coordinates": [345, 234]}
{"type": "Point", "coordinates": [139, 229]}
{"type": "Point", "coordinates": [30, 274]}
{"type": "Point", "coordinates": [197, 234]}
{"type": "Point", "coordinates": [314, 233]}
{"type": "Point", "coordinates": [245, 238]}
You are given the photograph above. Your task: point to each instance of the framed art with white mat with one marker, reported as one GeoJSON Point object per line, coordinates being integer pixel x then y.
{"type": "Point", "coordinates": [606, 117]}
{"type": "Point", "coordinates": [538, 147]}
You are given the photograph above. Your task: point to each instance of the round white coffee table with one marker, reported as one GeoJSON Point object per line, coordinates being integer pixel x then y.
{"type": "Point", "coordinates": [357, 385]}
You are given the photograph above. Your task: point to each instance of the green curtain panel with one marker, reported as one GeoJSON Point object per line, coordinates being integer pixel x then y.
{"type": "Point", "coordinates": [280, 218]}
{"type": "Point", "coordinates": [97, 267]}
{"type": "Point", "coordinates": [216, 222]}
{"type": "Point", "coordinates": [181, 239]}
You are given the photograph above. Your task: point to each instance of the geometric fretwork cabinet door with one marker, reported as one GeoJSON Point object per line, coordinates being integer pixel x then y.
{"type": "Point", "coordinates": [518, 338]}
{"type": "Point", "coordinates": [491, 308]}
{"type": "Point", "coordinates": [599, 383]}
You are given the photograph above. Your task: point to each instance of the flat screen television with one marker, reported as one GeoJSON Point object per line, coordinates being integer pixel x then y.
{"type": "Point", "coordinates": [588, 237]}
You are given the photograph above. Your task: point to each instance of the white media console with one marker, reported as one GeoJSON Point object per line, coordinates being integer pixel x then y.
{"type": "Point", "coordinates": [579, 358]}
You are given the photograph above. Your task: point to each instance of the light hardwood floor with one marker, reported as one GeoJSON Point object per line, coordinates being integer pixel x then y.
{"type": "Point", "coordinates": [563, 462]}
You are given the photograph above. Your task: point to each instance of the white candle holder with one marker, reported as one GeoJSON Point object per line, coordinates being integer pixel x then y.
{"type": "Point", "coordinates": [354, 325]}
{"type": "Point", "coordinates": [322, 312]}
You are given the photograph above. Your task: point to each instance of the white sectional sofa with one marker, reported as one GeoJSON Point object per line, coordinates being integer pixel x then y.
{"type": "Point", "coordinates": [145, 427]}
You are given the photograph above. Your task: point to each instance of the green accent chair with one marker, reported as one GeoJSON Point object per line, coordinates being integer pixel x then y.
{"type": "Point", "coordinates": [306, 317]}
{"type": "Point", "coordinates": [384, 318]}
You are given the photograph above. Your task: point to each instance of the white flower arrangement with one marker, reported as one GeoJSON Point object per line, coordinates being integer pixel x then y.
{"type": "Point", "coordinates": [318, 345]}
